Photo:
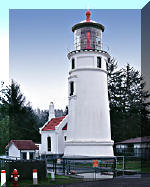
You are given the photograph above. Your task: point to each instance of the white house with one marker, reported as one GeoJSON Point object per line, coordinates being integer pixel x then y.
{"type": "Point", "coordinates": [21, 149]}
{"type": "Point", "coordinates": [139, 147]}
{"type": "Point", "coordinates": [53, 134]}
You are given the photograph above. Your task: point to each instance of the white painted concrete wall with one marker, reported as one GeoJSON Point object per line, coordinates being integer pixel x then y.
{"type": "Point", "coordinates": [89, 130]}
{"type": "Point", "coordinates": [13, 151]}
{"type": "Point", "coordinates": [44, 136]}
{"type": "Point", "coordinates": [57, 139]}
{"type": "Point", "coordinates": [57, 142]}
{"type": "Point", "coordinates": [51, 111]}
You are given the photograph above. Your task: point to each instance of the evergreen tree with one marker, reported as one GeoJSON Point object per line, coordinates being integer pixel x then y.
{"type": "Point", "coordinates": [128, 102]}
{"type": "Point", "coordinates": [23, 122]}
{"type": "Point", "coordinates": [145, 110]}
{"type": "Point", "coordinates": [4, 122]}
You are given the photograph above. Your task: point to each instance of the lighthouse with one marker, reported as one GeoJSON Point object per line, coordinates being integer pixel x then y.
{"type": "Point", "coordinates": [89, 130]}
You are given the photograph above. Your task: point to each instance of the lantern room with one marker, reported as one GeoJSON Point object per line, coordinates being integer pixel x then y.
{"type": "Point", "coordinates": [88, 34]}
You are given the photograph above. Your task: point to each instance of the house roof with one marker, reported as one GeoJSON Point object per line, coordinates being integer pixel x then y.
{"type": "Point", "coordinates": [53, 123]}
{"type": "Point", "coordinates": [23, 144]}
{"type": "Point", "coordinates": [65, 127]}
{"type": "Point", "coordinates": [136, 140]}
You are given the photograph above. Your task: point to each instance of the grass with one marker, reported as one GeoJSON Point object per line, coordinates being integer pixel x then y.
{"type": "Point", "coordinates": [130, 165]}
{"type": "Point", "coordinates": [58, 180]}
{"type": "Point", "coordinates": [139, 166]}
{"type": "Point", "coordinates": [134, 165]}
{"type": "Point", "coordinates": [145, 167]}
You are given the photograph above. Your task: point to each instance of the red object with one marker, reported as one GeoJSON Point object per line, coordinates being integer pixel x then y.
{"type": "Point", "coordinates": [15, 177]}
{"type": "Point", "coordinates": [65, 127]}
{"type": "Point", "coordinates": [53, 123]}
{"type": "Point", "coordinates": [95, 163]}
{"type": "Point", "coordinates": [3, 171]}
{"type": "Point", "coordinates": [34, 170]}
{"type": "Point", "coordinates": [88, 34]}
{"type": "Point", "coordinates": [73, 172]}
{"type": "Point", "coordinates": [88, 14]}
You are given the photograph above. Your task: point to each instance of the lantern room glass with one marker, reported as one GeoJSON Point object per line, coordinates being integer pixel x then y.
{"type": "Point", "coordinates": [88, 38]}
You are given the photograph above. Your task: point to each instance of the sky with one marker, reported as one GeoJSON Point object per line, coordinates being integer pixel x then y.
{"type": "Point", "coordinates": [39, 41]}
{"type": "Point", "coordinates": [145, 52]}
{"type": "Point", "coordinates": [7, 5]}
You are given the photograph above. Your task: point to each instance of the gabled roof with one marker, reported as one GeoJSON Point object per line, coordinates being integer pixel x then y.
{"type": "Point", "coordinates": [23, 144]}
{"type": "Point", "coordinates": [53, 123]}
{"type": "Point", "coordinates": [136, 140]}
{"type": "Point", "coordinates": [65, 127]}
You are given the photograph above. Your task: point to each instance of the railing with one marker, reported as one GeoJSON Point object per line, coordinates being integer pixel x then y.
{"type": "Point", "coordinates": [142, 153]}
{"type": "Point", "coordinates": [120, 165]}
{"type": "Point", "coordinates": [80, 165]}
{"type": "Point", "coordinates": [94, 46]}
{"type": "Point", "coordinates": [10, 157]}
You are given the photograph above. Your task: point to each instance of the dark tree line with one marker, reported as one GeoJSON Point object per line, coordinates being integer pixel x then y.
{"type": "Point", "coordinates": [18, 120]}
{"type": "Point", "coordinates": [129, 108]}
{"type": "Point", "coordinates": [43, 114]}
{"type": "Point", "coordinates": [21, 121]}
{"type": "Point", "coordinates": [129, 105]}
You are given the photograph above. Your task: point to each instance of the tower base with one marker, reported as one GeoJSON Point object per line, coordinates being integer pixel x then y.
{"type": "Point", "coordinates": [91, 149]}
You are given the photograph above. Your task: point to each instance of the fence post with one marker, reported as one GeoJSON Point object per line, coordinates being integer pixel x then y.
{"type": "Point", "coordinates": [55, 166]}
{"type": "Point", "coordinates": [35, 178]}
{"type": "Point", "coordinates": [115, 164]}
{"type": "Point", "coordinates": [3, 178]}
{"type": "Point", "coordinates": [63, 166]}
{"type": "Point", "coordinates": [123, 163]}
{"type": "Point", "coordinates": [52, 176]}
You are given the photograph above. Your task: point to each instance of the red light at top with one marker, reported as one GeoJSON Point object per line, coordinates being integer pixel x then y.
{"type": "Point", "coordinates": [88, 14]}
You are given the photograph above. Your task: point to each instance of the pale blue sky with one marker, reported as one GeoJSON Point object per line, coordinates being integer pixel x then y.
{"type": "Point", "coordinates": [6, 5]}
{"type": "Point", "coordinates": [38, 48]}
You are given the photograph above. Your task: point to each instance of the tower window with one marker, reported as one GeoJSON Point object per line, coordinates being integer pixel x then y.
{"type": "Point", "coordinates": [65, 137]}
{"type": "Point", "coordinates": [71, 88]}
{"type": "Point", "coordinates": [73, 63]}
{"type": "Point", "coordinates": [49, 143]}
{"type": "Point", "coordinates": [99, 62]}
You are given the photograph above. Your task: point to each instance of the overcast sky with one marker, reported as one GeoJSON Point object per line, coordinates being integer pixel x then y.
{"type": "Point", "coordinates": [39, 43]}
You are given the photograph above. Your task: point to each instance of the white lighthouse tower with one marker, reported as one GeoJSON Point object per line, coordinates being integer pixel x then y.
{"type": "Point", "coordinates": [88, 132]}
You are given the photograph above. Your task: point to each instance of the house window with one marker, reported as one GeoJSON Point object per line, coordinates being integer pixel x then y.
{"type": "Point", "coordinates": [65, 137]}
{"type": "Point", "coordinates": [31, 156]}
{"type": "Point", "coordinates": [24, 156]}
{"type": "Point", "coordinates": [99, 62]}
{"type": "Point", "coordinates": [71, 88]}
{"type": "Point", "coordinates": [73, 63]}
{"type": "Point", "coordinates": [49, 143]}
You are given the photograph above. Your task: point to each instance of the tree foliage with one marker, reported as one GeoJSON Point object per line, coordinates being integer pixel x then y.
{"type": "Point", "coordinates": [129, 108]}
{"type": "Point", "coordinates": [16, 116]}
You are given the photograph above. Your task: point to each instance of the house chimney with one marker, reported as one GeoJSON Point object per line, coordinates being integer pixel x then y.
{"type": "Point", "coordinates": [51, 111]}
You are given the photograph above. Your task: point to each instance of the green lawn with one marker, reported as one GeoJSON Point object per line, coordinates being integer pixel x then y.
{"type": "Point", "coordinates": [145, 167]}
{"type": "Point", "coordinates": [58, 180]}
{"type": "Point", "coordinates": [130, 165]}
{"type": "Point", "coordinates": [135, 165]}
